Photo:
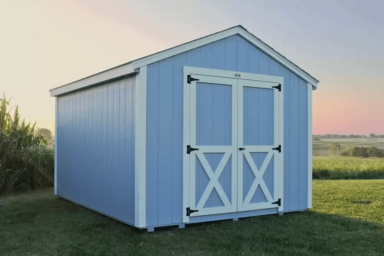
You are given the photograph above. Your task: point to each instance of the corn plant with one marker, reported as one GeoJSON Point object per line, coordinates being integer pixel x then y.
{"type": "Point", "coordinates": [17, 168]}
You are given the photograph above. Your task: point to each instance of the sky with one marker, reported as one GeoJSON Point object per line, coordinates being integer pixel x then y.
{"type": "Point", "coordinates": [47, 43]}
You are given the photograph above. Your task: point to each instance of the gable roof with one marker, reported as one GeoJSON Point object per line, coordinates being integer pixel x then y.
{"type": "Point", "coordinates": [133, 67]}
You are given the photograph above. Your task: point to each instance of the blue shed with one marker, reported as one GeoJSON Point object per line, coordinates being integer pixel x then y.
{"type": "Point", "coordinates": [216, 128]}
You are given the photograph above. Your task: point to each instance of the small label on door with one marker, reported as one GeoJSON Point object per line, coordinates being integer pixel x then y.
{"type": "Point", "coordinates": [237, 75]}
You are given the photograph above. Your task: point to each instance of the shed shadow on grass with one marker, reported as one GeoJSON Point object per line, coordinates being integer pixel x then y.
{"type": "Point", "coordinates": [60, 227]}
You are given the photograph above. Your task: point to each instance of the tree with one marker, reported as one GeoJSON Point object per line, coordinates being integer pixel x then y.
{"type": "Point", "coordinates": [359, 152]}
{"type": "Point", "coordinates": [335, 149]}
{"type": "Point", "coordinates": [375, 152]}
{"type": "Point", "coordinates": [46, 133]}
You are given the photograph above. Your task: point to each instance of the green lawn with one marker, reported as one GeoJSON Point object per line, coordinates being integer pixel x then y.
{"type": "Point", "coordinates": [341, 167]}
{"type": "Point", "coordinates": [347, 219]}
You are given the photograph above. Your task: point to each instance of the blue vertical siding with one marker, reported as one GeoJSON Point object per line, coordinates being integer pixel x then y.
{"type": "Point", "coordinates": [258, 111]}
{"type": "Point", "coordinates": [213, 114]}
{"type": "Point", "coordinates": [95, 129]}
{"type": "Point", "coordinates": [165, 142]}
{"type": "Point", "coordinates": [164, 127]}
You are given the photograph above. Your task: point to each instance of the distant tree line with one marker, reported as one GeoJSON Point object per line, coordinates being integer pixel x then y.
{"type": "Point", "coordinates": [336, 149]}
{"type": "Point", "coordinates": [346, 136]}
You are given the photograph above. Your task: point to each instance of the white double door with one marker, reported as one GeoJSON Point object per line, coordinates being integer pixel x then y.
{"type": "Point", "coordinates": [233, 131]}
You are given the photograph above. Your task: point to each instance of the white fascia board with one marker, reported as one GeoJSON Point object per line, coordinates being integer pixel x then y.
{"type": "Point", "coordinates": [215, 37]}
{"type": "Point", "coordinates": [94, 79]}
{"type": "Point", "coordinates": [279, 58]}
{"type": "Point", "coordinates": [185, 47]}
{"type": "Point", "coordinates": [130, 68]}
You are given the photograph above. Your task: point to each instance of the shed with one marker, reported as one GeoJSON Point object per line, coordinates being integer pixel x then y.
{"type": "Point", "coordinates": [216, 128]}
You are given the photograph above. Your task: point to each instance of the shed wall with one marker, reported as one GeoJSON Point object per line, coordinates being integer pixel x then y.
{"type": "Point", "coordinates": [164, 159]}
{"type": "Point", "coordinates": [95, 144]}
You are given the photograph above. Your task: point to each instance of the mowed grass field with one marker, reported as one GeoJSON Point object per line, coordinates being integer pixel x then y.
{"type": "Point", "coordinates": [321, 147]}
{"type": "Point", "coordinates": [341, 167]}
{"type": "Point", "coordinates": [327, 166]}
{"type": "Point", "coordinates": [346, 219]}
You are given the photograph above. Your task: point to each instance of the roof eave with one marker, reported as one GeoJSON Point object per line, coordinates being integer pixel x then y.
{"type": "Point", "coordinates": [101, 77]}
{"type": "Point", "coordinates": [218, 36]}
{"type": "Point", "coordinates": [132, 67]}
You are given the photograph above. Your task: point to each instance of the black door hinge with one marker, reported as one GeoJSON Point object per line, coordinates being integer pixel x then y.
{"type": "Point", "coordinates": [278, 87]}
{"type": "Point", "coordinates": [277, 148]}
{"type": "Point", "coordinates": [278, 202]}
{"type": "Point", "coordinates": [190, 79]}
{"type": "Point", "coordinates": [190, 211]}
{"type": "Point", "coordinates": [190, 149]}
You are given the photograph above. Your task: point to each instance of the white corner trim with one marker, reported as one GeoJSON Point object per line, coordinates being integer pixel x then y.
{"type": "Point", "coordinates": [94, 79]}
{"type": "Point", "coordinates": [186, 132]}
{"type": "Point", "coordinates": [309, 145]}
{"type": "Point", "coordinates": [140, 147]}
{"type": "Point", "coordinates": [55, 172]}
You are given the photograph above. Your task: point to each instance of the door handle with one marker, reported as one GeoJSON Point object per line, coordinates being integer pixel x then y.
{"type": "Point", "coordinates": [241, 148]}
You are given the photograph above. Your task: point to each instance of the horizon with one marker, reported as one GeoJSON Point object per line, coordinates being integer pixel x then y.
{"type": "Point", "coordinates": [49, 44]}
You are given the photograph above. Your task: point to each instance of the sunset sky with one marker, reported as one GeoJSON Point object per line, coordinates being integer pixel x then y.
{"type": "Point", "coordinates": [48, 43]}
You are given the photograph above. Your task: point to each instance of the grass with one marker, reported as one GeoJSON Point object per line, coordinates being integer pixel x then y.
{"type": "Point", "coordinates": [321, 147]}
{"type": "Point", "coordinates": [347, 219]}
{"type": "Point", "coordinates": [340, 167]}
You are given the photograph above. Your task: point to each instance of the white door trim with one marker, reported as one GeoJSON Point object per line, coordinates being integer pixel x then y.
{"type": "Point", "coordinates": [259, 178]}
{"type": "Point", "coordinates": [230, 204]}
{"type": "Point", "coordinates": [213, 180]}
{"type": "Point", "coordinates": [186, 132]}
{"type": "Point", "coordinates": [232, 74]}
{"type": "Point", "coordinates": [264, 82]}
{"type": "Point", "coordinates": [244, 204]}
{"type": "Point", "coordinates": [279, 161]}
